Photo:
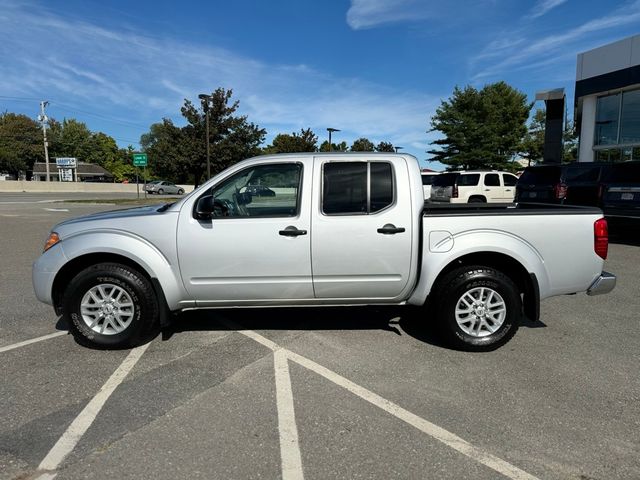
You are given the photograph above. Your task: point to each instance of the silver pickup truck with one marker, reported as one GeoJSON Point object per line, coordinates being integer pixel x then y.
{"type": "Point", "coordinates": [320, 229]}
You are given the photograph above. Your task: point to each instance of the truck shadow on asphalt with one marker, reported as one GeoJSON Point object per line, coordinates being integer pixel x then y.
{"type": "Point", "coordinates": [400, 321]}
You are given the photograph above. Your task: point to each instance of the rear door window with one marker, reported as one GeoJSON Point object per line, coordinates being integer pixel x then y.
{"type": "Point", "coordinates": [470, 180]}
{"type": "Point", "coordinates": [492, 180]}
{"type": "Point", "coordinates": [509, 180]}
{"type": "Point", "coordinates": [346, 190]}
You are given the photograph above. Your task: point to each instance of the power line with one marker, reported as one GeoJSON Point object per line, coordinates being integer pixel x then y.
{"type": "Point", "coordinates": [63, 106]}
{"type": "Point", "coordinates": [20, 99]}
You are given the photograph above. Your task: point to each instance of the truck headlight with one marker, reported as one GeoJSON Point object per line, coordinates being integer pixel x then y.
{"type": "Point", "coordinates": [51, 241]}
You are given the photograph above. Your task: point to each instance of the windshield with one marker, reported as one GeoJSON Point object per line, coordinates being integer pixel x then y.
{"type": "Point", "coordinates": [537, 175]}
{"type": "Point", "coordinates": [624, 173]}
{"type": "Point", "coordinates": [445, 180]}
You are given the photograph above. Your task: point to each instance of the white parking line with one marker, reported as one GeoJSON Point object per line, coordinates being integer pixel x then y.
{"type": "Point", "coordinates": [33, 340]}
{"type": "Point", "coordinates": [451, 440]}
{"type": "Point", "coordinates": [83, 421]}
{"type": "Point", "coordinates": [289, 444]}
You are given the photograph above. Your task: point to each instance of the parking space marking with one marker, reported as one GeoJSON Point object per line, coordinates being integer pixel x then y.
{"type": "Point", "coordinates": [289, 444]}
{"type": "Point", "coordinates": [33, 340]}
{"type": "Point", "coordinates": [70, 438]}
{"type": "Point", "coordinates": [450, 439]}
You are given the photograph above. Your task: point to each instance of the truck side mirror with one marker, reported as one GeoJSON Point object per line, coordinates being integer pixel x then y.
{"type": "Point", "coordinates": [204, 208]}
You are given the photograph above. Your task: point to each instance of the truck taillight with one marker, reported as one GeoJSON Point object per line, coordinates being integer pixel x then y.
{"type": "Point", "coordinates": [601, 238]}
{"type": "Point", "coordinates": [560, 190]}
{"type": "Point", "coordinates": [454, 191]}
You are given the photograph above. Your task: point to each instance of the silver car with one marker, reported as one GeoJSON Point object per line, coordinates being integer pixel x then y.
{"type": "Point", "coordinates": [161, 187]}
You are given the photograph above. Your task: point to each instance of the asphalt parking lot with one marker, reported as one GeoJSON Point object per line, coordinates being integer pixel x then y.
{"type": "Point", "coordinates": [324, 393]}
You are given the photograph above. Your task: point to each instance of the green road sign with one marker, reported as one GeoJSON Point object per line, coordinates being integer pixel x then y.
{"type": "Point", "coordinates": [139, 159]}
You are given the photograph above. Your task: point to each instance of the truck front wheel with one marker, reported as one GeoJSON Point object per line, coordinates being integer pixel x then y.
{"type": "Point", "coordinates": [478, 308]}
{"type": "Point", "coordinates": [110, 305]}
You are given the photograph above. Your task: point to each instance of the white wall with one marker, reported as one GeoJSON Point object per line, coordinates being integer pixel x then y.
{"type": "Point", "coordinates": [67, 187]}
{"type": "Point", "coordinates": [618, 55]}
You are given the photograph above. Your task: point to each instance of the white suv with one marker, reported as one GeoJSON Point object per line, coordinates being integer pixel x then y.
{"type": "Point", "coordinates": [427, 180]}
{"type": "Point", "coordinates": [474, 186]}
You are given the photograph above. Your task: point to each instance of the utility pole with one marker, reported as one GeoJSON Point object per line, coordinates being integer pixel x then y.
{"type": "Point", "coordinates": [206, 106]}
{"type": "Point", "coordinates": [43, 118]}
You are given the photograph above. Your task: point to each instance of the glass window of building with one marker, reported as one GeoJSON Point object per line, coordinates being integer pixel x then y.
{"type": "Point", "coordinates": [607, 113]}
{"type": "Point", "coordinates": [630, 118]}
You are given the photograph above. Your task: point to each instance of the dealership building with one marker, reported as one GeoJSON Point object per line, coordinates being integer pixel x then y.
{"type": "Point", "coordinates": [607, 102]}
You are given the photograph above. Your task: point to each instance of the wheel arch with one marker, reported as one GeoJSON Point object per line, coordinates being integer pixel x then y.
{"type": "Point", "coordinates": [526, 282]}
{"type": "Point", "coordinates": [88, 249]}
{"type": "Point", "coordinates": [77, 264]}
{"type": "Point", "coordinates": [480, 198]}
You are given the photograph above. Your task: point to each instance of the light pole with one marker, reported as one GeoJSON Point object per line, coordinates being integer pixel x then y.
{"type": "Point", "coordinates": [205, 104]}
{"type": "Point", "coordinates": [331, 130]}
{"type": "Point", "coordinates": [398, 148]}
{"type": "Point", "coordinates": [43, 118]}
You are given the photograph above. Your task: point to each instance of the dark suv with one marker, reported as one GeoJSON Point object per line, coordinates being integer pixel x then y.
{"type": "Point", "coordinates": [621, 197]}
{"type": "Point", "coordinates": [572, 184]}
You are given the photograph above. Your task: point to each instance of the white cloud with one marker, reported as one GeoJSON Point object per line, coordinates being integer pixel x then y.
{"type": "Point", "coordinates": [143, 78]}
{"type": "Point", "coordinates": [369, 13]}
{"type": "Point", "coordinates": [543, 6]}
{"type": "Point", "coordinates": [521, 53]}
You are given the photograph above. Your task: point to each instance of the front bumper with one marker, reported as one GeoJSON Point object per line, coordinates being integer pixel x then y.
{"type": "Point", "coordinates": [603, 284]}
{"type": "Point", "coordinates": [44, 272]}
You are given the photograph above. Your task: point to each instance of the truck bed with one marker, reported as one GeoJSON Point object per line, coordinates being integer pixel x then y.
{"type": "Point", "coordinates": [522, 208]}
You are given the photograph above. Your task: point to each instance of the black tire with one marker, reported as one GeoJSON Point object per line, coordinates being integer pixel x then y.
{"type": "Point", "coordinates": [160, 191]}
{"type": "Point", "coordinates": [468, 279]}
{"type": "Point", "coordinates": [116, 278]}
{"type": "Point", "coordinates": [180, 192]}
{"type": "Point", "coordinates": [477, 200]}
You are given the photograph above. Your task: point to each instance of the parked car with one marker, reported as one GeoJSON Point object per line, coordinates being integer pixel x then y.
{"type": "Point", "coordinates": [474, 186]}
{"type": "Point", "coordinates": [572, 184]}
{"type": "Point", "coordinates": [161, 187]}
{"type": "Point", "coordinates": [621, 197]}
{"type": "Point", "coordinates": [356, 232]}
{"type": "Point", "coordinates": [427, 180]}
{"type": "Point", "coordinates": [260, 191]}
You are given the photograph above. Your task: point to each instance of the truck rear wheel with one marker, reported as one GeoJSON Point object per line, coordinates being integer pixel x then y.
{"type": "Point", "coordinates": [478, 308]}
{"type": "Point", "coordinates": [110, 305]}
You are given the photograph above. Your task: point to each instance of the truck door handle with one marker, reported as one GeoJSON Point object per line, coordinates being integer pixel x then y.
{"type": "Point", "coordinates": [292, 231]}
{"type": "Point", "coordinates": [390, 229]}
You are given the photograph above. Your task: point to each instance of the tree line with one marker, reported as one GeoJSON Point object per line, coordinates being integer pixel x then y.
{"type": "Point", "coordinates": [480, 128]}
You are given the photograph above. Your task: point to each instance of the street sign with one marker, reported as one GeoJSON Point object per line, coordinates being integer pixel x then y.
{"type": "Point", "coordinates": [70, 162]}
{"type": "Point", "coordinates": [139, 159]}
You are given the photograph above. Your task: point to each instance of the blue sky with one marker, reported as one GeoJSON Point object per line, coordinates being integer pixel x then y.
{"type": "Point", "coordinates": [372, 68]}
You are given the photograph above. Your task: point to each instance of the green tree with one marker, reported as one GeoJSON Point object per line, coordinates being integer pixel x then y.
{"type": "Point", "coordinates": [180, 154]}
{"type": "Point", "coordinates": [232, 137]}
{"type": "Point", "coordinates": [21, 143]}
{"type": "Point", "coordinates": [170, 151]}
{"type": "Point", "coordinates": [305, 141]}
{"type": "Point", "coordinates": [482, 128]}
{"type": "Point", "coordinates": [532, 145]}
{"type": "Point", "coordinates": [385, 147]}
{"type": "Point", "coordinates": [335, 147]}
{"type": "Point", "coordinates": [363, 145]}
{"type": "Point", "coordinates": [570, 142]}
{"type": "Point", "coordinates": [72, 138]}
